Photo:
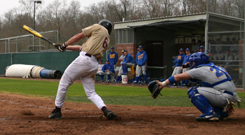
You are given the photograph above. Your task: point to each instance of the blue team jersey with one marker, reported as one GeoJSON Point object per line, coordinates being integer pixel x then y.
{"type": "Point", "coordinates": [129, 59]}
{"type": "Point", "coordinates": [179, 59]}
{"type": "Point", "coordinates": [109, 66]}
{"type": "Point", "coordinates": [112, 57]}
{"type": "Point", "coordinates": [186, 59]}
{"type": "Point", "coordinates": [141, 58]}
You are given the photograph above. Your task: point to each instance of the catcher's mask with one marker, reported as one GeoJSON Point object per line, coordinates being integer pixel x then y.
{"type": "Point", "coordinates": [107, 24]}
{"type": "Point", "coordinates": [198, 58]}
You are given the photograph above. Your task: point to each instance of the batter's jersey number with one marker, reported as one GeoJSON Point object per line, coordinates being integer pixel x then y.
{"type": "Point", "coordinates": [105, 43]}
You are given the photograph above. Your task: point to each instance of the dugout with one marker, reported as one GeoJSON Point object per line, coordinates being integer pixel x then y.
{"type": "Point", "coordinates": [162, 37]}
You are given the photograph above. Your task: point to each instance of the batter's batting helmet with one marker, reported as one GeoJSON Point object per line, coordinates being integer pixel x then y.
{"type": "Point", "coordinates": [198, 58]}
{"type": "Point", "coordinates": [107, 24]}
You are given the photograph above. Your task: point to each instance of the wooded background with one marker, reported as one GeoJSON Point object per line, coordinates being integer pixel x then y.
{"type": "Point", "coordinates": [70, 19]}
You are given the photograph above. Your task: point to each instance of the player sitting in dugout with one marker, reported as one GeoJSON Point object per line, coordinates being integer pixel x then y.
{"type": "Point", "coordinates": [100, 72]}
{"type": "Point", "coordinates": [127, 62]}
{"type": "Point", "coordinates": [108, 70]}
{"type": "Point", "coordinates": [217, 93]}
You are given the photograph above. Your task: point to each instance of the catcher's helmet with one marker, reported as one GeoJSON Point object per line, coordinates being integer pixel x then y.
{"type": "Point", "coordinates": [107, 24]}
{"type": "Point", "coordinates": [198, 58]}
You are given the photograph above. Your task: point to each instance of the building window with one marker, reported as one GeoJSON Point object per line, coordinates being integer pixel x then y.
{"type": "Point", "coordinates": [124, 36]}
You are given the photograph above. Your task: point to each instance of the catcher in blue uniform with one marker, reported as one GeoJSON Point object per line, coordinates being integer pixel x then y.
{"type": "Point", "coordinates": [215, 96]}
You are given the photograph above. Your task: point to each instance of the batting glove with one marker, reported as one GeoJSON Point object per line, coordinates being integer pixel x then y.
{"type": "Point", "coordinates": [60, 47]}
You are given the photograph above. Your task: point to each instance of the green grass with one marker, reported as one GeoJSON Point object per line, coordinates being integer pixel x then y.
{"type": "Point", "coordinates": [117, 95]}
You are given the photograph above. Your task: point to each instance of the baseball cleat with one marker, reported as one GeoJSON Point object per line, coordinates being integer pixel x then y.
{"type": "Point", "coordinates": [55, 115]}
{"type": "Point", "coordinates": [134, 82]}
{"type": "Point", "coordinates": [110, 115]}
{"type": "Point", "coordinates": [211, 117]}
{"type": "Point", "coordinates": [224, 116]}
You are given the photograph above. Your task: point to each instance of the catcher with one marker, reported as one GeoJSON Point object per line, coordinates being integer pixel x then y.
{"type": "Point", "coordinates": [216, 95]}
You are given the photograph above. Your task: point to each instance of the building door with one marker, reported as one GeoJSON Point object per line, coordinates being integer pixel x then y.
{"type": "Point", "coordinates": [154, 50]}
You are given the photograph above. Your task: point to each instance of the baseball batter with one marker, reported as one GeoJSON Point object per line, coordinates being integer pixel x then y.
{"type": "Point", "coordinates": [85, 65]}
{"type": "Point", "coordinates": [217, 93]}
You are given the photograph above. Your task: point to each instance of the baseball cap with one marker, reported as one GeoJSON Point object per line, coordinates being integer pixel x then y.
{"type": "Point", "coordinates": [181, 49]}
{"type": "Point", "coordinates": [112, 47]}
{"type": "Point", "coordinates": [107, 59]}
{"type": "Point", "coordinates": [140, 46]}
{"type": "Point", "coordinates": [123, 51]}
{"type": "Point", "coordinates": [187, 49]}
{"type": "Point", "coordinates": [201, 46]}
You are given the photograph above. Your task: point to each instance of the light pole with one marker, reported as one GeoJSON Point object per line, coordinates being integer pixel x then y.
{"type": "Point", "coordinates": [38, 2]}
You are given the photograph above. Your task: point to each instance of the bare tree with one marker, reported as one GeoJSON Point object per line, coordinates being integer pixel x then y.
{"type": "Point", "coordinates": [239, 8]}
{"type": "Point", "coordinates": [70, 19]}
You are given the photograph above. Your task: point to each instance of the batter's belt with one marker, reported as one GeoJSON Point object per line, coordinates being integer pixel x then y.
{"type": "Point", "coordinates": [87, 54]}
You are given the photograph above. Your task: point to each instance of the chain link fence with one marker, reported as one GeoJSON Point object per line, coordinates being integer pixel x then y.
{"type": "Point", "coordinates": [226, 49]}
{"type": "Point", "coordinates": [29, 43]}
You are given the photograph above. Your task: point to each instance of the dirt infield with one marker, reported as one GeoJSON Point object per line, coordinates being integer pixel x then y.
{"type": "Point", "coordinates": [29, 115]}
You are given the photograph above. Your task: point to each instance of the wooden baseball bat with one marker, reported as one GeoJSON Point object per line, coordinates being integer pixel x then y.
{"type": "Point", "coordinates": [35, 33]}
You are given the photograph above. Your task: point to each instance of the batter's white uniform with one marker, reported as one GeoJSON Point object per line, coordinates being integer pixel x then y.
{"type": "Point", "coordinates": [85, 65]}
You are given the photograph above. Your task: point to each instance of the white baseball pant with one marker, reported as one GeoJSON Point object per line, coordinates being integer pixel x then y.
{"type": "Point", "coordinates": [121, 70]}
{"type": "Point", "coordinates": [83, 67]}
{"type": "Point", "coordinates": [216, 97]}
{"type": "Point", "coordinates": [185, 69]}
{"type": "Point", "coordinates": [177, 70]}
{"type": "Point", "coordinates": [140, 70]}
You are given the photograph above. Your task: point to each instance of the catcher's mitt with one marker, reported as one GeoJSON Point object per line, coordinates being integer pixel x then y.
{"type": "Point", "coordinates": [153, 87]}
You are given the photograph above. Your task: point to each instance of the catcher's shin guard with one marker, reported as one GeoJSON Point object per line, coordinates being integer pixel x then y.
{"type": "Point", "coordinates": [202, 104]}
